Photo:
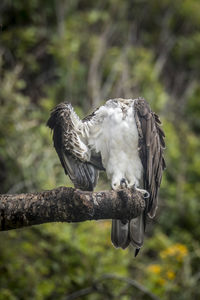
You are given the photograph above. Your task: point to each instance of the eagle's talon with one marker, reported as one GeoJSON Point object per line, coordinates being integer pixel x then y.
{"type": "Point", "coordinates": [145, 193]}
{"type": "Point", "coordinates": [123, 183]}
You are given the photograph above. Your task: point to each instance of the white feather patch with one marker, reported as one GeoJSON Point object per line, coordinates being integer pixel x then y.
{"type": "Point", "coordinates": [114, 134]}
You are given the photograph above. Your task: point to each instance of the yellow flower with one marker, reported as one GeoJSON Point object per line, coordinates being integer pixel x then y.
{"type": "Point", "coordinates": [154, 268]}
{"type": "Point", "coordinates": [182, 248]}
{"type": "Point", "coordinates": [177, 250]}
{"type": "Point", "coordinates": [170, 275]}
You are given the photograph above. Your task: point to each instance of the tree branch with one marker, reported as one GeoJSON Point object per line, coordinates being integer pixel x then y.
{"type": "Point", "coordinates": [97, 287]}
{"type": "Point", "coordinates": [68, 205]}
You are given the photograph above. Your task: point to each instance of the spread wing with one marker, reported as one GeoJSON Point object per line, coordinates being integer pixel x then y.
{"type": "Point", "coordinates": [151, 147]}
{"type": "Point", "coordinates": [70, 142]}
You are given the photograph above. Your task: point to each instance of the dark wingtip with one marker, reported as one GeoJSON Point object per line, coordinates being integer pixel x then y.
{"type": "Point", "coordinates": [137, 250]}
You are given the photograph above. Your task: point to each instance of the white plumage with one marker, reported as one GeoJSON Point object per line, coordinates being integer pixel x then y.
{"type": "Point", "coordinates": [115, 136]}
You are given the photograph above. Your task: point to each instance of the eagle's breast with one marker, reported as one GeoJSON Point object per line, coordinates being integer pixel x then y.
{"type": "Point", "coordinates": [116, 138]}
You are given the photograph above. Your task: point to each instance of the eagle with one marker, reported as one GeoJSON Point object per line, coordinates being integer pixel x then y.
{"type": "Point", "coordinates": [122, 137]}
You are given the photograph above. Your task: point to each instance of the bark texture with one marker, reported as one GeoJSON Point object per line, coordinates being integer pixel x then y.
{"type": "Point", "coordinates": [68, 205]}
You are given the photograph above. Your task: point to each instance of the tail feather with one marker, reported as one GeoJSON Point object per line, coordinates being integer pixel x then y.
{"type": "Point", "coordinates": [120, 234]}
{"type": "Point", "coordinates": [131, 232]}
{"type": "Point", "coordinates": [137, 231]}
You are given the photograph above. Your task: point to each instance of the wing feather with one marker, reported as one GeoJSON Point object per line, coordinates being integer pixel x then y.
{"type": "Point", "coordinates": [75, 157]}
{"type": "Point", "coordinates": [151, 147]}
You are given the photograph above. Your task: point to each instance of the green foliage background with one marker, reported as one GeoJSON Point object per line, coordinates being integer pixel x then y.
{"type": "Point", "coordinates": [87, 52]}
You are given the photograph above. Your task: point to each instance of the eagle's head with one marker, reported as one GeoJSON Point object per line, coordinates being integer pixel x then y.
{"type": "Point", "coordinates": [119, 102]}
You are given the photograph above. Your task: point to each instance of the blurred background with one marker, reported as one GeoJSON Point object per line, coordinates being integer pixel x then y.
{"type": "Point", "coordinates": [86, 52]}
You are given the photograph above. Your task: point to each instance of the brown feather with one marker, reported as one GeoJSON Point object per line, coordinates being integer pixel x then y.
{"type": "Point", "coordinates": [151, 146]}
{"type": "Point", "coordinates": [84, 174]}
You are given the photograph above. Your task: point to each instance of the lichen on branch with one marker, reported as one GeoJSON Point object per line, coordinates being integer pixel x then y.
{"type": "Point", "coordinates": [66, 204]}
